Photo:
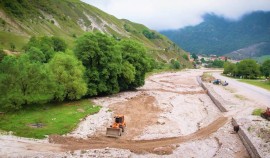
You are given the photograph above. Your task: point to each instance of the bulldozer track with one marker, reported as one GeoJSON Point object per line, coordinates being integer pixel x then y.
{"type": "Point", "coordinates": [136, 146]}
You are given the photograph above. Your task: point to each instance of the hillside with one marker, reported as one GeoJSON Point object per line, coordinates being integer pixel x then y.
{"type": "Point", "coordinates": [68, 19]}
{"type": "Point", "coordinates": [247, 37]}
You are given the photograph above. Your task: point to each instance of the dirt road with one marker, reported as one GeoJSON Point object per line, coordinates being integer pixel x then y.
{"type": "Point", "coordinates": [137, 146]}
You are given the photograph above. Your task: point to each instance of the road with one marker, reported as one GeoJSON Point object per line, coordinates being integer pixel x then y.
{"type": "Point", "coordinates": [259, 96]}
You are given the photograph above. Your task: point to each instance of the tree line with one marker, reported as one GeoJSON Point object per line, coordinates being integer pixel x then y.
{"type": "Point", "coordinates": [248, 69]}
{"type": "Point", "coordinates": [47, 71]}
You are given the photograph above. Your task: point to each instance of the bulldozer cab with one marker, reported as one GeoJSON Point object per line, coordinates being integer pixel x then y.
{"type": "Point", "coordinates": [119, 119]}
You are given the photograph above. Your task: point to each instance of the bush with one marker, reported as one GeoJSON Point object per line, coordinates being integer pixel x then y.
{"type": "Point", "coordinates": [12, 46]}
{"type": "Point", "coordinates": [175, 64]}
{"type": "Point", "coordinates": [2, 54]}
{"type": "Point", "coordinates": [257, 112]}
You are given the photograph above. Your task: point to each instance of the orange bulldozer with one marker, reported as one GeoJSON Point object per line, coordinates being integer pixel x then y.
{"type": "Point", "coordinates": [116, 129]}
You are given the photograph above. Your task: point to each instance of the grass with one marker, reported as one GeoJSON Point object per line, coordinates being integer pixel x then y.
{"type": "Point", "coordinates": [207, 77]}
{"type": "Point", "coordinates": [56, 119]}
{"type": "Point", "coordinates": [164, 69]}
{"type": "Point", "coordinates": [258, 83]}
{"type": "Point", "coordinates": [257, 112]}
{"type": "Point", "coordinates": [240, 97]}
{"type": "Point", "coordinates": [67, 14]}
{"type": "Point", "coordinates": [7, 38]}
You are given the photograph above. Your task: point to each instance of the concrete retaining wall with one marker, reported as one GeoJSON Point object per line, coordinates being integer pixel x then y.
{"type": "Point", "coordinates": [212, 97]}
{"type": "Point", "coordinates": [243, 136]}
{"type": "Point", "coordinates": [246, 141]}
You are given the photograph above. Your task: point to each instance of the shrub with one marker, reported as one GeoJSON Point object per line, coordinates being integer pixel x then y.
{"type": "Point", "coordinates": [257, 112]}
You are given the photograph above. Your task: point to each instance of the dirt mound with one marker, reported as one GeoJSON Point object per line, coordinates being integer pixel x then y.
{"type": "Point", "coordinates": [165, 150]}
{"type": "Point", "coordinates": [140, 111]}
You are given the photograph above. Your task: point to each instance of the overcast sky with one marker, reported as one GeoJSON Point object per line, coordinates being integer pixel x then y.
{"type": "Point", "coordinates": [174, 14]}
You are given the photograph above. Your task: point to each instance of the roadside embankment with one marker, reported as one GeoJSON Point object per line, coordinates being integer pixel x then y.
{"type": "Point", "coordinates": [243, 134]}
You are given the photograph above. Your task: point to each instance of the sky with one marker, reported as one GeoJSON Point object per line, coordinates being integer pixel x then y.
{"type": "Point", "coordinates": [175, 14]}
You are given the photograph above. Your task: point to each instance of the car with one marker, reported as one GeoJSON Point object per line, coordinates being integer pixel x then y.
{"type": "Point", "coordinates": [217, 81]}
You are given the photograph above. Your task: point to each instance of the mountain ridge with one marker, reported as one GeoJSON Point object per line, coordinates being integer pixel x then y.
{"type": "Point", "coordinates": [68, 19]}
{"type": "Point", "coordinates": [218, 35]}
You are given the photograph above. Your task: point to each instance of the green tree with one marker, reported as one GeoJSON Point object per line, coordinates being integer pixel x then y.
{"type": "Point", "coordinates": [59, 45]}
{"type": "Point", "coordinates": [185, 56]}
{"type": "Point", "coordinates": [36, 55]}
{"type": "Point", "coordinates": [67, 73]}
{"type": "Point", "coordinates": [218, 63]}
{"type": "Point", "coordinates": [135, 54]}
{"type": "Point", "coordinates": [47, 45]}
{"type": "Point", "coordinates": [127, 75]}
{"type": "Point", "coordinates": [203, 60]}
{"type": "Point", "coordinates": [248, 68]}
{"type": "Point", "coordinates": [102, 60]}
{"type": "Point", "coordinates": [23, 82]}
{"type": "Point", "coordinates": [194, 56]}
{"type": "Point", "coordinates": [175, 64]}
{"type": "Point", "coordinates": [229, 68]}
{"type": "Point", "coordinates": [266, 68]}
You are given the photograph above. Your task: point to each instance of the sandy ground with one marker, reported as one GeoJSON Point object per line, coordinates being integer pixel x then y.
{"type": "Point", "coordinates": [170, 116]}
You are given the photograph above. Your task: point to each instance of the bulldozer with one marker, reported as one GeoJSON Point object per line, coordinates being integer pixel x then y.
{"type": "Point", "coordinates": [116, 129]}
{"type": "Point", "coordinates": [266, 114]}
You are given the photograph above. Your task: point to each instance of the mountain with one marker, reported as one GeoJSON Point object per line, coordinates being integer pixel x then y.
{"type": "Point", "coordinates": [68, 19]}
{"type": "Point", "coordinates": [252, 51]}
{"type": "Point", "coordinates": [247, 37]}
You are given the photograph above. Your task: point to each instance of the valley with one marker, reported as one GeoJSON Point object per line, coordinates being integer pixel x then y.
{"type": "Point", "coordinates": [173, 118]}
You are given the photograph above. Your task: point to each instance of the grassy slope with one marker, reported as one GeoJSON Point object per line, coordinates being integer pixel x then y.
{"type": "Point", "coordinates": [56, 118]}
{"type": "Point", "coordinates": [35, 19]}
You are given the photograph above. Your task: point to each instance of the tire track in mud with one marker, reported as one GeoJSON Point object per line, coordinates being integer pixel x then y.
{"type": "Point", "coordinates": [136, 146]}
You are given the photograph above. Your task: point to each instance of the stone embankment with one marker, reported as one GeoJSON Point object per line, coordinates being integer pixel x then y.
{"type": "Point", "coordinates": [220, 103]}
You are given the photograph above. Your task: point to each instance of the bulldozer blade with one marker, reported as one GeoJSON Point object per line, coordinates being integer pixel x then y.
{"type": "Point", "coordinates": [113, 132]}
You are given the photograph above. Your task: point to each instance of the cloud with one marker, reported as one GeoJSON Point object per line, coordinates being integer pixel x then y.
{"type": "Point", "coordinates": [174, 14]}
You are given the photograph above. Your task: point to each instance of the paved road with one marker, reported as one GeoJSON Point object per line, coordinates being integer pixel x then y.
{"type": "Point", "coordinates": [256, 94]}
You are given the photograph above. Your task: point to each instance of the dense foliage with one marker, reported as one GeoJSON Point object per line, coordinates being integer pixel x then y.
{"type": "Point", "coordinates": [175, 64]}
{"type": "Point", "coordinates": [45, 47]}
{"type": "Point", "coordinates": [102, 58]}
{"type": "Point", "coordinates": [111, 66]}
{"type": "Point", "coordinates": [48, 72]}
{"type": "Point", "coordinates": [150, 34]}
{"type": "Point", "coordinates": [214, 64]}
{"type": "Point", "coordinates": [217, 35]}
{"type": "Point", "coordinates": [67, 73]}
{"type": "Point", "coordinates": [2, 54]}
{"type": "Point", "coordinates": [247, 68]}
{"type": "Point", "coordinates": [23, 82]}
{"type": "Point", "coordinates": [134, 55]}
{"type": "Point", "coordinates": [265, 68]}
